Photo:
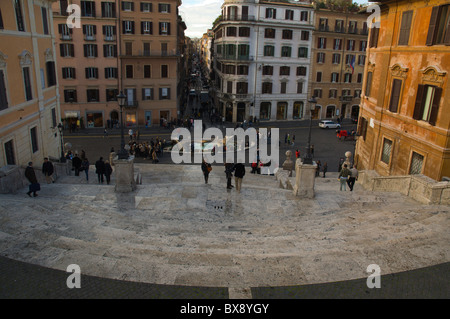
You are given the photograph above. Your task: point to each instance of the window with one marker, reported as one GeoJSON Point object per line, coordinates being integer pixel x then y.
{"type": "Point", "coordinates": [128, 27]}
{"type": "Point", "coordinates": [27, 84]}
{"type": "Point", "coordinates": [373, 39]}
{"type": "Point", "coordinates": [164, 8]}
{"type": "Point", "coordinates": [351, 45]}
{"type": "Point", "coordinates": [127, 6]}
{"type": "Point", "coordinates": [289, 14]}
{"type": "Point", "coordinates": [19, 16]}
{"type": "Point", "coordinates": [416, 163]}
{"type": "Point", "coordinates": [318, 93]}
{"type": "Point", "coordinates": [44, 20]}
{"type": "Point", "coordinates": [230, 69]}
{"type": "Point", "coordinates": [301, 71]}
{"type": "Point", "coordinates": [269, 50]}
{"type": "Point", "coordinates": [395, 95]}
{"type": "Point", "coordinates": [111, 94]}
{"type": "Point", "coordinates": [34, 141]}
{"type": "Point", "coordinates": [285, 70]}
{"type": "Point", "coordinates": [267, 70]}
{"type": "Point", "coordinates": [336, 58]}
{"type": "Point", "coordinates": [362, 128]}
{"type": "Point", "coordinates": [283, 87]}
{"type": "Point", "coordinates": [90, 50]}
{"type": "Point", "coordinates": [439, 27]}
{"type": "Point", "coordinates": [271, 13]}
{"type": "Point", "coordinates": [109, 31]}
{"type": "Point", "coordinates": [147, 94]}
{"type": "Point", "coordinates": [302, 52]}
{"type": "Point", "coordinates": [339, 26]}
{"type": "Point", "coordinates": [287, 34]}
{"type": "Point", "coordinates": [349, 59]}
{"type": "Point", "coordinates": [321, 43]}
{"type": "Point", "coordinates": [334, 77]}
{"type": "Point", "coordinates": [129, 71]}
{"type": "Point", "coordinates": [231, 31]}
{"type": "Point", "coordinates": [267, 87]}
{"type": "Point", "coordinates": [93, 95]}
{"type": "Point", "coordinates": [387, 150]}
{"type": "Point", "coordinates": [348, 78]}
{"type": "Point", "coordinates": [319, 77]}
{"type": "Point", "coordinates": [111, 73]}
{"type": "Point", "coordinates": [405, 27]}
{"type": "Point", "coordinates": [320, 57]}
{"type": "Point", "coordinates": [242, 70]}
{"type": "Point", "coordinates": [269, 33]}
{"type": "Point", "coordinates": [427, 103]}
{"type": "Point", "coordinates": [229, 87]}
{"type": "Point", "coordinates": [51, 73]}
{"type": "Point", "coordinates": [91, 73]}
{"type": "Point", "coordinates": [164, 71]}
{"type": "Point", "coordinates": [332, 94]}
{"type": "Point", "coordinates": [361, 60]}
{"type": "Point", "coordinates": [3, 95]}
{"type": "Point", "coordinates": [243, 51]}
{"type": "Point", "coordinates": [244, 31]}
{"type": "Point", "coordinates": [337, 45]}
{"type": "Point", "coordinates": [108, 10]}
{"type": "Point", "coordinates": [352, 27]}
{"type": "Point", "coordinates": [304, 36]}
{"type": "Point", "coordinates": [146, 27]}
{"type": "Point", "coordinates": [362, 46]}
{"type": "Point", "coordinates": [9, 153]}
{"type": "Point", "coordinates": [128, 48]}
{"type": "Point", "coordinates": [70, 95]}
{"type": "Point", "coordinates": [323, 24]}
{"type": "Point", "coordinates": [359, 78]}
{"type": "Point", "coordinates": [286, 51]}
{"type": "Point", "coordinates": [109, 50]}
{"type": "Point", "coordinates": [164, 28]}
{"type": "Point", "coordinates": [1, 20]}
{"type": "Point", "coordinates": [299, 87]}
{"type": "Point", "coordinates": [87, 8]}
{"type": "Point", "coordinates": [89, 31]}
{"type": "Point", "coordinates": [304, 16]}
{"type": "Point", "coordinates": [147, 72]}
{"type": "Point", "coordinates": [65, 32]}
{"type": "Point", "coordinates": [357, 94]}
{"type": "Point", "coordinates": [241, 87]}
{"type": "Point", "coordinates": [146, 7]}
{"type": "Point", "coordinates": [147, 51]}
{"type": "Point", "coordinates": [164, 93]}
{"type": "Point", "coordinates": [368, 84]}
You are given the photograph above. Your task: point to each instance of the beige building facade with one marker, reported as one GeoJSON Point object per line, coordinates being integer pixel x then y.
{"type": "Point", "coordinates": [29, 97]}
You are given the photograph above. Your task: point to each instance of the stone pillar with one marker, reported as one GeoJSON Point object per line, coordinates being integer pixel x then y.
{"type": "Point", "coordinates": [305, 177]}
{"type": "Point", "coordinates": [124, 170]}
{"type": "Point", "coordinates": [234, 112]}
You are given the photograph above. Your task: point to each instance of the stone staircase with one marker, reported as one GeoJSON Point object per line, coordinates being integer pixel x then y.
{"type": "Point", "coordinates": [174, 229]}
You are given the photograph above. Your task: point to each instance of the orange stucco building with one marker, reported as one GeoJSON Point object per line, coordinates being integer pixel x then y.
{"type": "Point", "coordinates": [29, 104]}
{"type": "Point", "coordinates": [404, 121]}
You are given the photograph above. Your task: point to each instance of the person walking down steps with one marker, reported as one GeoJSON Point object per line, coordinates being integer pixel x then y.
{"type": "Point", "coordinates": [206, 169]}
{"type": "Point", "coordinates": [31, 176]}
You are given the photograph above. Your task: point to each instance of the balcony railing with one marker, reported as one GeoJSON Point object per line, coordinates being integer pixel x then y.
{"type": "Point", "coordinates": [153, 53]}
{"type": "Point", "coordinates": [238, 18]}
{"type": "Point", "coordinates": [234, 57]}
{"type": "Point", "coordinates": [131, 104]}
{"type": "Point", "coordinates": [346, 98]}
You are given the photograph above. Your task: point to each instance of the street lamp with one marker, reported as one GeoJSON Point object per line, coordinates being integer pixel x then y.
{"type": "Point", "coordinates": [123, 154]}
{"type": "Point", "coordinates": [307, 159]}
{"type": "Point", "coordinates": [60, 129]}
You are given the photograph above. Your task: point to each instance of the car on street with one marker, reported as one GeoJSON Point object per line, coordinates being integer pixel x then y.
{"type": "Point", "coordinates": [329, 124]}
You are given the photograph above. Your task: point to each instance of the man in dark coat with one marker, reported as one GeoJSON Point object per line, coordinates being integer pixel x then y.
{"type": "Point", "coordinates": [108, 172]}
{"type": "Point", "coordinates": [206, 168]}
{"type": "Point", "coordinates": [47, 170]}
{"type": "Point", "coordinates": [229, 174]}
{"type": "Point", "coordinates": [76, 164]}
{"type": "Point", "coordinates": [239, 172]}
{"type": "Point", "coordinates": [31, 176]}
{"type": "Point", "coordinates": [100, 169]}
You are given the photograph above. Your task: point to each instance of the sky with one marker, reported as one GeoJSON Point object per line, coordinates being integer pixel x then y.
{"type": "Point", "coordinates": [200, 14]}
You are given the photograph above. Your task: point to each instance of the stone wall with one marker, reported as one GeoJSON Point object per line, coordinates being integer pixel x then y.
{"type": "Point", "coordinates": [419, 187]}
{"type": "Point", "coordinates": [12, 177]}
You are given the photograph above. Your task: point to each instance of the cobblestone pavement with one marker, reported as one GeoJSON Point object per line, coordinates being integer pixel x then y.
{"type": "Point", "coordinates": [176, 232]}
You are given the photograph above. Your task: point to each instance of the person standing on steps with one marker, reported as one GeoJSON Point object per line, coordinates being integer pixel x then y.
{"type": "Point", "coordinates": [47, 170]}
{"type": "Point", "coordinates": [229, 174]}
{"type": "Point", "coordinates": [100, 169]}
{"type": "Point", "coordinates": [85, 167]}
{"type": "Point", "coordinates": [325, 169]}
{"type": "Point", "coordinates": [343, 177]}
{"type": "Point", "coordinates": [352, 178]}
{"type": "Point", "coordinates": [31, 176]}
{"type": "Point", "coordinates": [206, 169]}
{"type": "Point", "coordinates": [239, 172]}
{"type": "Point", "coordinates": [108, 172]}
{"type": "Point", "coordinates": [76, 164]}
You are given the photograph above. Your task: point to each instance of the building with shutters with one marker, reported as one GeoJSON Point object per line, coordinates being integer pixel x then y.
{"type": "Point", "coordinates": [29, 105]}
{"type": "Point", "coordinates": [404, 123]}
{"type": "Point", "coordinates": [337, 59]}
{"type": "Point", "coordinates": [261, 66]}
{"type": "Point", "coordinates": [130, 46]}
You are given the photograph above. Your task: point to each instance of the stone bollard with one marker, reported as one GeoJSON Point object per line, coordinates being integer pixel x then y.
{"type": "Point", "coordinates": [305, 178]}
{"type": "Point", "coordinates": [124, 170]}
{"type": "Point", "coordinates": [288, 164]}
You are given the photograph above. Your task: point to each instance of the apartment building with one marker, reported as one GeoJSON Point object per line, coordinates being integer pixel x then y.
{"type": "Point", "coordinates": [121, 46]}
{"type": "Point", "coordinates": [29, 105]}
{"type": "Point", "coordinates": [404, 121]}
{"type": "Point", "coordinates": [338, 60]}
{"type": "Point", "coordinates": [262, 52]}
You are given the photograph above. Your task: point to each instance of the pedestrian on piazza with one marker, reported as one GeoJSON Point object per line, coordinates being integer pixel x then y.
{"type": "Point", "coordinates": [76, 164]}
{"type": "Point", "coordinates": [239, 172]}
{"type": "Point", "coordinates": [229, 174]}
{"type": "Point", "coordinates": [85, 168]}
{"type": "Point", "coordinates": [108, 172]}
{"type": "Point", "coordinates": [100, 169]}
{"type": "Point", "coordinates": [325, 169]}
{"type": "Point", "coordinates": [206, 169]}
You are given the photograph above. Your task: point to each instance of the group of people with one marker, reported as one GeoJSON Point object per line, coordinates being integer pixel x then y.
{"type": "Point", "coordinates": [238, 169]}
{"type": "Point", "coordinates": [148, 150]}
{"type": "Point", "coordinates": [348, 177]}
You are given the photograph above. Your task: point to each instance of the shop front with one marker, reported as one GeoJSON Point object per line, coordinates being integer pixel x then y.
{"type": "Point", "coordinates": [94, 119]}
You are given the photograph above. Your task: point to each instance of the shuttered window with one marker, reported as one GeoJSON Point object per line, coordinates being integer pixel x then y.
{"type": "Point", "coordinates": [34, 141]}
{"type": "Point", "coordinates": [373, 40]}
{"type": "Point", "coordinates": [368, 83]}
{"type": "Point", "coordinates": [395, 95]}
{"type": "Point", "coordinates": [405, 28]}
{"type": "Point", "coordinates": [3, 96]}
{"type": "Point", "coordinates": [439, 27]}
{"type": "Point", "coordinates": [427, 103]}
{"type": "Point", "coordinates": [416, 164]}
{"type": "Point", "coordinates": [387, 150]}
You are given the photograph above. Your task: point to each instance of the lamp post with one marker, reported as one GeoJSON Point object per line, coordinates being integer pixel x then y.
{"type": "Point", "coordinates": [307, 159]}
{"type": "Point", "coordinates": [123, 154]}
{"type": "Point", "coordinates": [60, 129]}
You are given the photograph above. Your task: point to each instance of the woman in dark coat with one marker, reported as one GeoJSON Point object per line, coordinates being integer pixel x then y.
{"type": "Point", "coordinates": [100, 169]}
{"type": "Point", "coordinates": [206, 168]}
{"type": "Point", "coordinates": [31, 176]}
{"type": "Point", "coordinates": [108, 172]}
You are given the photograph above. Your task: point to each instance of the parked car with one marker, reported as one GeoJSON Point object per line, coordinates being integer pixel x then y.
{"type": "Point", "coordinates": [329, 124]}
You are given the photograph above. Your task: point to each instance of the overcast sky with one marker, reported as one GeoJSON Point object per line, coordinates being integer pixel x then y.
{"type": "Point", "coordinates": [200, 14]}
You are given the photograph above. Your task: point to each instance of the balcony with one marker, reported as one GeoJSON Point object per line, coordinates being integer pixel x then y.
{"type": "Point", "coordinates": [232, 96]}
{"type": "Point", "coordinates": [238, 18]}
{"type": "Point", "coordinates": [66, 37]}
{"type": "Point", "coordinates": [232, 57]}
{"type": "Point", "coordinates": [346, 98]}
{"type": "Point", "coordinates": [131, 104]}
